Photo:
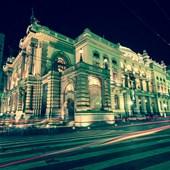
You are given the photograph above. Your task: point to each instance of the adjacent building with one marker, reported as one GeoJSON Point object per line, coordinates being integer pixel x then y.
{"type": "Point", "coordinates": [84, 80]}
{"type": "Point", "coordinates": [2, 39]}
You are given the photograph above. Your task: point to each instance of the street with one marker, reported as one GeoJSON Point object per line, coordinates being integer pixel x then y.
{"type": "Point", "coordinates": [141, 146]}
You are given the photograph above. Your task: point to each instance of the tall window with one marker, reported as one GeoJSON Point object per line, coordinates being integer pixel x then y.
{"type": "Point", "coordinates": [117, 106]}
{"type": "Point", "coordinates": [95, 93]}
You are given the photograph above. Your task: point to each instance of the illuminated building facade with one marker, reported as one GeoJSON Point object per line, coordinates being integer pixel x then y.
{"type": "Point", "coordinates": [2, 38]}
{"type": "Point", "coordinates": [84, 80]}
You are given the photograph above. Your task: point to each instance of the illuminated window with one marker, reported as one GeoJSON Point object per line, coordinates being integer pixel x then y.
{"type": "Point", "coordinates": [95, 93]}
{"type": "Point", "coordinates": [59, 65]}
{"type": "Point", "coordinates": [69, 88]}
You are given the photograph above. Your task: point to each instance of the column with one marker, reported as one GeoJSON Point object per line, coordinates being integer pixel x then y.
{"type": "Point", "coordinates": [53, 94]}
{"type": "Point", "coordinates": [23, 63]}
{"type": "Point", "coordinates": [106, 94]}
{"type": "Point", "coordinates": [141, 84]}
{"type": "Point", "coordinates": [29, 99]}
{"type": "Point", "coordinates": [137, 110]}
{"type": "Point", "coordinates": [82, 93]}
{"type": "Point", "coordinates": [148, 106]}
{"type": "Point", "coordinates": [33, 46]}
{"type": "Point", "coordinates": [19, 107]}
{"type": "Point", "coordinates": [147, 85]}
{"type": "Point", "coordinates": [126, 81]}
{"type": "Point", "coordinates": [127, 103]}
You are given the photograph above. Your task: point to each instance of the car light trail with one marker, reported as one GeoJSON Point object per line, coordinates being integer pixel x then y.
{"type": "Point", "coordinates": [136, 134]}
{"type": "Point", "coordinates": [96, 143]}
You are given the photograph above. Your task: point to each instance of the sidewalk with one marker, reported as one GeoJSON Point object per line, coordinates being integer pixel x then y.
{"type": "Point", "coordinates": [10, 131]}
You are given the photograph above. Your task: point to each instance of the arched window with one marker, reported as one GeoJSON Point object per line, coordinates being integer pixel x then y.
{"type": "Point", "coordinates": [96, 54]}
{"type": "Point", "coordinates": [116, 99]}
{"type": "Point", "coordinates": [69, 92]}
{"type": "Point", "coordinates": [95, 93]}
{"type": "Point", "coordinates": [69, 88]}
{"type": "Point", "coordinates": [114, 62]}
{"type": "Point", "coordinates": [59, 64]}
{"type": "Point", "coordinates": [96, 58]}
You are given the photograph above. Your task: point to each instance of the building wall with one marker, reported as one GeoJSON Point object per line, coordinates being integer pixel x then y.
{"type": "Point", "coordinates": [37, 79]}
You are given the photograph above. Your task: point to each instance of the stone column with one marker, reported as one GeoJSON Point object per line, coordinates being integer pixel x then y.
{"type": "Point", "coordinates": [106, 100]}
{"type": "Point", "coordinates": [127, 103]}
{"type": "Point", "coordinates": [147, 85]}
{"type": "Point", "coordinates": [29, 99]}
{"type": "Point", "coordinates": [23, 63]}
{"type": "Point", "coordinates": [82, 92]}
{"type": "Point", "coordinates": [33, 46]}
{"type": "Point", "coordinates": [53, 94]}
{"type": "Point", "coordinates": [126, 81]}
{"type": "Point", "coordinates": [19, 107]}
{"type": "Point", "coordinates": [141, 84]}
{"type": "Point", "coordinates": [148, 106]}
{"type": "Point", "coordinates": [14, 102]}
{"type": "Point", "coordinates": [37, 98]}
{"type": "Point", "coordinates": [137, 110]}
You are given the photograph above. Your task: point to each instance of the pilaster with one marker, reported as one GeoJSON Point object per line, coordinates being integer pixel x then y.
{"type": "Point", "coordinates": [53, 94]}
{"type": "Point", "coordinates": [82, 93]}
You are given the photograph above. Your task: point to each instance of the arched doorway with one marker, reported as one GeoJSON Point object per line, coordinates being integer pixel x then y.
{"type": "Point", "coordinates": [69, 110]}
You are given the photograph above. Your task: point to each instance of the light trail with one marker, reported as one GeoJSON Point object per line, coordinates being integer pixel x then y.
{"type": "Point", "coordinates": [89, 145]}
{"type": "Point", "coordinates": [136, 134]}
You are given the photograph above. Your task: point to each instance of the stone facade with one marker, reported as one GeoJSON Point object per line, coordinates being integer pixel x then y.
{"type": "Point", "coordinates": [2, 39]}
{"type": "Point", "coordinates": [85, 80]}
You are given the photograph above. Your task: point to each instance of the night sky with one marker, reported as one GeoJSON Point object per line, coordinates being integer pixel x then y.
{"type": "Point", "coordinates": [137, 24]}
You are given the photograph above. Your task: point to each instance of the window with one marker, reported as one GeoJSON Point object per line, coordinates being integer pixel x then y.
{"type": "Point", "coordinates": [114, 62]}
{"type": "Point", "coordinates": [116, 99]}
{"type": "Point", "coordinates": [96, 54]}
{"type": "Point", "coordinates": [59, 65]}
{"type": "Point", "coordinates": [95, 93]}
{"type": "Point", "coordinates": [96, 59]}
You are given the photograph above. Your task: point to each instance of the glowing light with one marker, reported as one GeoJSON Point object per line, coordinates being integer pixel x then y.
{"type": "Point", "coordinates": [165, 105]}
{"type": "Point", "coordinates": [47, 126]}
{"type": "Point", "coordinates": [81, 51]}
{"type": "Point", "coordinates": [130, 103]}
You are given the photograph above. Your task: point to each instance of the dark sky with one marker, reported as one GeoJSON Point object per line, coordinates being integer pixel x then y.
{"type": "Point", "coordinates": [137, 24]}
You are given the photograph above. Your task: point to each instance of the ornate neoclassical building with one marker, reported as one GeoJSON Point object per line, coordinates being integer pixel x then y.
{"type": "Point", "coordinates": [84, 80]}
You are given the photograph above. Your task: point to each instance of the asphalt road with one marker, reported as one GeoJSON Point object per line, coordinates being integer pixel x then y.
{"type": "Point", "coordinates": [143, 146]}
